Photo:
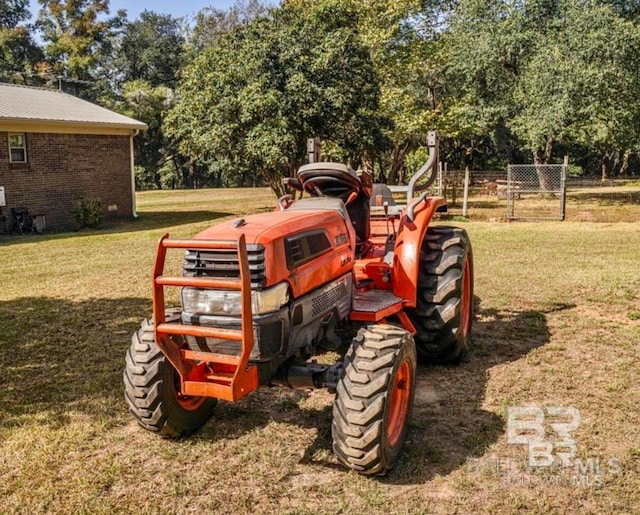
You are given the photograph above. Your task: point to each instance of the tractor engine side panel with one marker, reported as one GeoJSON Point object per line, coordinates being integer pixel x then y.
{"type": "Point", "coordinates": [311, 256]}
{"type": "Point", "coordinates": [315, 313]}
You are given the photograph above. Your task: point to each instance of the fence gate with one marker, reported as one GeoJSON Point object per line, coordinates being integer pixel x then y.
{"type": "Point", "coordinates": [536, 192]}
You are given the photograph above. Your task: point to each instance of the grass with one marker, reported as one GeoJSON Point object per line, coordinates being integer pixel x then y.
{"type": "Point", "coordinates": [558, 309]}
{"type": "Point", "coordinates": [610, 202]}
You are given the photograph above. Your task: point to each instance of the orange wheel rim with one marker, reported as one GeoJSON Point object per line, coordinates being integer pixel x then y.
{"type": "Point", "coordinates": [466, 298]}
{"type": "Point", "coordinates": [187, 402]}
{"type": "Point", "coordinates": [399, 406]}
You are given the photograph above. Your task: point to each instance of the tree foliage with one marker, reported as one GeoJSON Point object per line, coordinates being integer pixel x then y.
{"type": "Point", "coordinates": [151, 49]}
{"type": "Point", "coordinates": [211, 22]}
{"type": "Point", "coordinates": [231, 96]}
{"type": "Point", "coordinates": [143, 101]}
{"type": "Point", "coordinates": [77, 36]}
{"type": "Point", "coordinates": [18, 52]}
{"type": "Point", "coordinates": [548, 71]}
{"type": "Point", "coordinates": [251, 101]}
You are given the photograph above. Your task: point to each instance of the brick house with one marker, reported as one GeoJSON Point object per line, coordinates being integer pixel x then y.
{"type": "Point", "coordinates": [56, 148]}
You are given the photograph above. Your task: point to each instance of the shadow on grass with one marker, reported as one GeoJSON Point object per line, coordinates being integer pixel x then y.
{"type": "Point", "coordinates": [449, 425]}
{"type": "Point", "coordinates": [151, 220]}
{"type": "Point", "coordinates": [146, 221]}
{"type": "Point", "coordinates": [58, 355]}
{"type": "Point", "coordinates": [487, 204]}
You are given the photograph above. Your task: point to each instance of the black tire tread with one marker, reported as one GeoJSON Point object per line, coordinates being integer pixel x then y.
{"type": "Point", "coordinates": [143, 377]}
{"type": "Point", "coordinates": [437, 316]}
{"type": "Point", "coordinates": [361, 398]}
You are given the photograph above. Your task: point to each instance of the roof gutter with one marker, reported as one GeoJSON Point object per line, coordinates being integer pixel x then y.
{"type": "Point", "coordinates": [127, 124]}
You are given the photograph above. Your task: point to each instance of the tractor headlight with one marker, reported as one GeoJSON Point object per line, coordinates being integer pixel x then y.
{"type": "Point", "coordinates": [218, 302]}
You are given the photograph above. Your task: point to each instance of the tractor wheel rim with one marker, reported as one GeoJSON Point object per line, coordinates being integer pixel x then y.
{"type": "Point", "coordinates": [466, 298]}
{"type": "Point", "coordinates": [399, 405]}
{"type": "Point", "coordinates": [187, 402]}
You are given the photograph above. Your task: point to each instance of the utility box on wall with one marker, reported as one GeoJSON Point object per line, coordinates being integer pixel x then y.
{"type": "Point", "coordinates": [3, 202]}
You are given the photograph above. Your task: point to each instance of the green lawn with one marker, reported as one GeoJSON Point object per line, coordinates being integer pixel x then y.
{"type": "Point", "coordinates": [558, 324]}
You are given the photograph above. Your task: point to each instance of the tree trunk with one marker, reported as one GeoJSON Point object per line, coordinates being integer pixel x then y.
{"type": "Point", "coordinates": [368, 164]}
{"type": "Point", "coordinates": [624, 169]}
{"type": "Point", "coordinates": [274, 179]}
{"type": "Point", "coordinates": [176, 168]}
{"type": "Point", "coordinates": [397, 161]}
{"type": "Point", "coordinates": [542, 157]}
{"type": "Point", "coordinates": [381, 176]}
{"type": "Point", "coordinates": [607, 162]}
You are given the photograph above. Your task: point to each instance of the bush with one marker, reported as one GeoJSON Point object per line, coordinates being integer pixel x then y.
{"type": "Point", "coordinates": [88, 213]}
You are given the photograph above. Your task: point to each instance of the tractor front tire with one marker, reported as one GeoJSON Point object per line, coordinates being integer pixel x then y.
{"type": "Point", "coordinates": [374, 399]}
{"type": "Point", "coordinates": [152, 388]}
{"type": "Point", "coordinates": [444, 312]}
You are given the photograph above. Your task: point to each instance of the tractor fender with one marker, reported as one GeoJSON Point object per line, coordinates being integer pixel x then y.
{"type": "Point", "coordinates": [406, 262]}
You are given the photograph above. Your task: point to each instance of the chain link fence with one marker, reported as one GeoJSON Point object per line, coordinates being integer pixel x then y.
{"type": "Point", "coordinates": [536, 192]}
{"type": "Point", "coordinates": [531, 192]}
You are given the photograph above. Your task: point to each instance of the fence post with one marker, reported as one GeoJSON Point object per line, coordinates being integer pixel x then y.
{"type": "Point", "coordinates": [466, 192]}
{"type": "Point", "coordinates": [509, 199]}
{"type": "Point", "coordinates": [563, 188]}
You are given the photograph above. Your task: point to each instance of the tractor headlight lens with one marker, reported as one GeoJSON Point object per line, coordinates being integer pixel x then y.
{"type": "Point", "coordinates": [218, 302]}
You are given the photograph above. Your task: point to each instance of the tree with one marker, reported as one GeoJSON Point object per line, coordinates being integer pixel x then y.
{"type": "Point", "coordinates": [142, 74]}
{"type": "Point", "coordinates": [251, 102]}
{"type": "Point", "coordinates": [582, 85]}
{"type": "Point", "coordinates": [403, 38]}
{"type": "Point", "coordinates": [608, 85]}
{"type": "Point", "coordinates": [151, 49]}
{"type": "Point", "coordinates": [77, 35]}
{"type": "Point", "coordinates": [550, 72]}
{"type": "Point", "coordinates": [210, 22]}
{"type": "Point", "coordinates": [145, 102]}
{"type": "Point", "coordinates": [18, 52]}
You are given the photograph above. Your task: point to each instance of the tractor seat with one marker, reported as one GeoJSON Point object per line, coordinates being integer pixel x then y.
{"type": "Point", "coordinates": [334, 180]}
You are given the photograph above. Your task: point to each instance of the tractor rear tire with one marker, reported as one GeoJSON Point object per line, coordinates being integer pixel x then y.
{"type": "Point", "coordinates": [444, 312]}
{"type": "Point", "coordinates": [374, 399]}
{"type": "Point", "coordinates": [151, 388]}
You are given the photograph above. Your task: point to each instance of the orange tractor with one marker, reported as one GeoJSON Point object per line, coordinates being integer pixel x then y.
{"type": "Point", "coordinates": [262, 294]}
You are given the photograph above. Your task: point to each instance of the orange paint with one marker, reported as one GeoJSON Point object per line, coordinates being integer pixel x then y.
{"type": "Point", "coordinates": [201, 373]}
{"type": "Point", "coordinates": [406, 265]}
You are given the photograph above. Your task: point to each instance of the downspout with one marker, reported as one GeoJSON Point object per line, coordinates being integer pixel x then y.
{"type": "Point", "coordinates": [133, 174]}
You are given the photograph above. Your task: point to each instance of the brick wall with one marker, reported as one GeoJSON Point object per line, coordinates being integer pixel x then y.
{"type": "Point", "coordinates": [63, 167]}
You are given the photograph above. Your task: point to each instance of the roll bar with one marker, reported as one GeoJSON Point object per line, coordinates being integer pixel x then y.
{"type": "Point", "coordinates": [432, 163]}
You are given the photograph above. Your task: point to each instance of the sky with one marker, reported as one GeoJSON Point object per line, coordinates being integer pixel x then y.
{"type": "Point", "coordinates": [176, 8]}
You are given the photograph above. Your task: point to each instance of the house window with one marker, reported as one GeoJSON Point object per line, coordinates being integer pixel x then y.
{"type": "Point", "coordinates": [17, 148]}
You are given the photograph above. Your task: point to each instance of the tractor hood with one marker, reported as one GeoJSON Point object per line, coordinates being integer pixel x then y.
{"type": "Point", "coordinates": [265, 228]}
{"type": "Point", "coordinates": [305, 247]}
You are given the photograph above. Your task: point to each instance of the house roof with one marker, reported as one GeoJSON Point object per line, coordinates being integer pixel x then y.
{"type": "Point", "coordinates": [38, 105]}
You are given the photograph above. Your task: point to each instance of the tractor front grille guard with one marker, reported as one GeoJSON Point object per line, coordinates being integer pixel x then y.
{"type": "Point", "coordinates": [206, 373]}
{"type": "Point", "coordinates": [224, 263]}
